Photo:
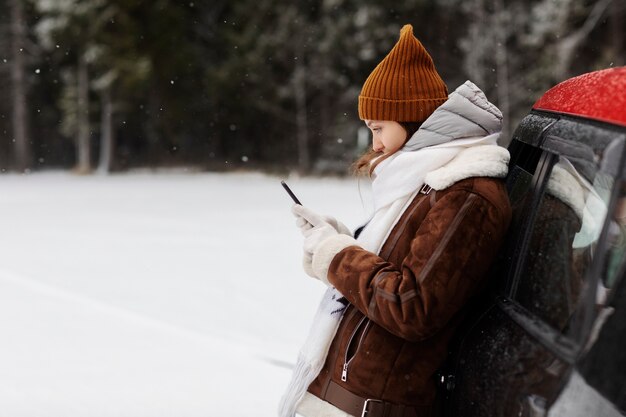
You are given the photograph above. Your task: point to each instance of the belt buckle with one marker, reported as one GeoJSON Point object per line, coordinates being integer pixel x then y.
{"type": "Point", "coordinates": [366, 403]}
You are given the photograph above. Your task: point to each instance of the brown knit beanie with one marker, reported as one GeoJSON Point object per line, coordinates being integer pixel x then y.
{"type": "Point", "coordinates": [405, 86]}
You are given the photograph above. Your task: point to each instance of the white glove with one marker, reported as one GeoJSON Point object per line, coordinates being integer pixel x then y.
{"type": "Point", "coordinates": [307, 264]}
{"type": "Point", "coordinates": [315, 229]}
{"type": "Point", "coordinates": [305, 225]}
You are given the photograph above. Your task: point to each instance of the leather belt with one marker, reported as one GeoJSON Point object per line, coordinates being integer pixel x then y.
{"type": "Point", "coordinates": [368, 407]}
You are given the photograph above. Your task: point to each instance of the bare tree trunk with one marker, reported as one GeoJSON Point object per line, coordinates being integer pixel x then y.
{"type": "Point", "coordinates": [474, 61]}
{"type": "Point", "coordinates": [22, 146]}
{"type": "Point", "coordinates": [301, 116]}
{"type": "Point", "coordinates": [566, 48]}
{"type": "Point", "coordinates": [324, 131]}
{"type": "Point", "coordinates": [616, 23]}
{"type": "Point", "coordinates": [502, 71]}
{"type": "Point", "coordinates": [107, 134]}
{"type": "Point", "coordinates": [152, 128]}
{"type": "Point", "coordinates": [82, 139]}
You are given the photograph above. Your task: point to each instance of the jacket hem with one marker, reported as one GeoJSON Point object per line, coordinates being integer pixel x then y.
{"type": "Point", "coordinates": [312, 406]}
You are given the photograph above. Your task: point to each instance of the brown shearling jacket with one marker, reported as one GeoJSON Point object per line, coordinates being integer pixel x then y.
{"type": "Point", "coordinates": [406, 302]}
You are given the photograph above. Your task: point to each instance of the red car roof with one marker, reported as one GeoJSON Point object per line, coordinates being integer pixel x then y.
{"type": "Point", "coordinates": [599, 95]}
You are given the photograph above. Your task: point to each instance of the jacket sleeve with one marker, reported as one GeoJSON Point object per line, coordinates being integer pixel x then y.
{"type": "Point", "coordinates": [447, 261]}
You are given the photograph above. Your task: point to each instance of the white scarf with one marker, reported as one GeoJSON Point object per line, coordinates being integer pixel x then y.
{"type": "Point", "coordinates": [455, 153]}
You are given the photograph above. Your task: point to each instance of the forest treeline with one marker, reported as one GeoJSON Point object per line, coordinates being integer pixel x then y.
{"type": "Point", "coordinates": [109, 85]}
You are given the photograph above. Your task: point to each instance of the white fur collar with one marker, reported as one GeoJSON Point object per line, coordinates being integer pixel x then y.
{"type": "Point", "coordinates": [477, 161]}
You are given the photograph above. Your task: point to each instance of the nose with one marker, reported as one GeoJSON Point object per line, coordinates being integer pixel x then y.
{"type": "Point", "coordinates": [377, 144]}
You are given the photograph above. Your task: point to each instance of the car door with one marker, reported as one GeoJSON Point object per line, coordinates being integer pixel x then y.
{"type": "Point", "coordinates": [514, 353]}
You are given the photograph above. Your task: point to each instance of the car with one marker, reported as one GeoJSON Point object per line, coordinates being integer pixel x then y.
{"type": "Point", "coordinates": [546, 337]}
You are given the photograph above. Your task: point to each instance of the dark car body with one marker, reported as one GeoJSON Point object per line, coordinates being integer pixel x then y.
{"type": "Point", "coordinates": [549, 334]}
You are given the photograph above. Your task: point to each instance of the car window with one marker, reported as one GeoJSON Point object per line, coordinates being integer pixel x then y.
{"type": "Point", "coordinates": [565, 232]}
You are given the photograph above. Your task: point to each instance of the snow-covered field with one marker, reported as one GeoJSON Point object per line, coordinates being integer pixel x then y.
{"type": "Point", "coordinates": [167, 294]}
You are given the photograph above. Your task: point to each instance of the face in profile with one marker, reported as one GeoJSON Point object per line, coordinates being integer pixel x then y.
{"type": "Point", "coordinates": [387, 136]}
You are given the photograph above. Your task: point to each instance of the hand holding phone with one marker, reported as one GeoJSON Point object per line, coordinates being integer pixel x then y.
{"type": "Point", "coordinates": [291, 194]}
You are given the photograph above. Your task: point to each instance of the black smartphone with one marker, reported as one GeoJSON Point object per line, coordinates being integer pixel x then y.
{"type": "Point", "coordinates": [291, 194]}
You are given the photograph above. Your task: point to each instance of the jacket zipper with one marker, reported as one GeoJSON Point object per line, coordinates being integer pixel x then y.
{"type": "Point", "coordinates": [346, 363]}
{"type": "Point", "coordinates": [349, 314]}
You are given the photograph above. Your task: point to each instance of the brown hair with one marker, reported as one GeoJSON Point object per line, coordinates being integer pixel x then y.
{"type": "Point", "coordinates": [364, 166]}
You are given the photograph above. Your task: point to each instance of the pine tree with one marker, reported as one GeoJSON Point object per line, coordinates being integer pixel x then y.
{"type": "Point", "coordinates": [21, 140]}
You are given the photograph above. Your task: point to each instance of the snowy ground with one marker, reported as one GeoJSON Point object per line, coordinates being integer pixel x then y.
{"type": "Point", "coordinates": [166, 294]}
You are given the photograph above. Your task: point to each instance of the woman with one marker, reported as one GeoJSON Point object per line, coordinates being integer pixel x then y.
{"type": "Point", "coordinates": [396, 291]}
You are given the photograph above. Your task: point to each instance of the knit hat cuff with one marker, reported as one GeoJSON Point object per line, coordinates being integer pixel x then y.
{"type": "Point", "coordinates": [417, 110]}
